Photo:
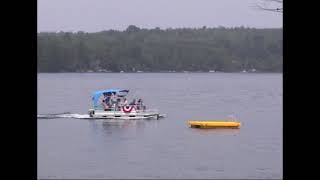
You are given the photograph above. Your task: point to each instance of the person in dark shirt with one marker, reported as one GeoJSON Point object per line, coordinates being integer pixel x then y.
{"type": "Point", "coordinates": [133, 102]}
{"type": "Point", "coordinates": [141, 105]}
{"type": "Point", "coordinates": [106, 101]}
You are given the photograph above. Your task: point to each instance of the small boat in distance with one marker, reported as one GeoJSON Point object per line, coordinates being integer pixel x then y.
{"type": "Point", "coordinates": [111, 104]}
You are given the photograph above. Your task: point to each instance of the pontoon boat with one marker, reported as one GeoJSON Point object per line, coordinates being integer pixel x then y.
{"type": "Point", "coordinates": [118, 110]}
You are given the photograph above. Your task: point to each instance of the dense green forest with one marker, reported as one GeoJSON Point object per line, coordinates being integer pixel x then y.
{"type": "Point", "coordinates": [154, 50]}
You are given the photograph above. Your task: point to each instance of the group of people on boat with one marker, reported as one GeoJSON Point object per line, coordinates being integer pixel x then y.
{"type": "Point", "coordinates": [111, 101]}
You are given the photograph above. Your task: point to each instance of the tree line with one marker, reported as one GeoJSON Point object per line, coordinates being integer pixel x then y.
{"type": "Point", "coordinates": [155, 50]}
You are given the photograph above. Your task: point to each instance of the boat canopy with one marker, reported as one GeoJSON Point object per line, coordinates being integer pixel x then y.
{"type": "Point", "coordinates": [96, 95]}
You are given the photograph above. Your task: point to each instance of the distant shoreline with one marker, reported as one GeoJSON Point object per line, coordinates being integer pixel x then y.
{"type": "Point", "coordinates": [156, 50]}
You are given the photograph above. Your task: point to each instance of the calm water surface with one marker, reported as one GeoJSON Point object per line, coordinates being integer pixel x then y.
{"type": "Point", "coordinates": [166, 148]}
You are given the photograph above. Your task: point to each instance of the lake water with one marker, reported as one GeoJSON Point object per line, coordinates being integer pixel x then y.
{"type": "Point", "coordinates": [165, 148]}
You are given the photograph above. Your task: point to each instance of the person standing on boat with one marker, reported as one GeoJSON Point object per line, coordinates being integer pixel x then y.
{"type": "Point", "coordinates": [141, 105]}
{"type": "Point", "coordinates": [105, 101]}
{"type": "Point", "coordinates": [125, 102]}
{"type": "Point", "coordinates": [113, 99]}
{"type": "Point", "coordinates": [133, 103]}
{"type": "Point", "coordinates": [118, 104]}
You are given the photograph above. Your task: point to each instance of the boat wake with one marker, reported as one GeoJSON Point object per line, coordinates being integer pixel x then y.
{"type": "Point", "coordinates": [63, 115]}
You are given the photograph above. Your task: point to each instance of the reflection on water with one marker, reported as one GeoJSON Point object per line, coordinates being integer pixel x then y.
{"type": "Point", "coordinates": [110, 125]}
{"type": "Point", "coordinates": [216, 130]}
{"type": "Point", "coordinates": [117, 126]}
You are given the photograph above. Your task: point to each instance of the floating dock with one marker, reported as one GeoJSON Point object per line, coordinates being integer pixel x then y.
{"type": "Point", "coordinates": [214, 124]}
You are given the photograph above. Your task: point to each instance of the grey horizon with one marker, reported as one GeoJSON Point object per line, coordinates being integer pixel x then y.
{"type": "Point", "coordinates": [99, 15]}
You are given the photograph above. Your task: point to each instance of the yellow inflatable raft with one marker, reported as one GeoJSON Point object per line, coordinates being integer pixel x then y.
{"type": "Point", "coordinates": [214, 124]}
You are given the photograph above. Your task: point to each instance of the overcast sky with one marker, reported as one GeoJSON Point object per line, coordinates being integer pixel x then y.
{"type": "Point", "coordinates": [98, 15]}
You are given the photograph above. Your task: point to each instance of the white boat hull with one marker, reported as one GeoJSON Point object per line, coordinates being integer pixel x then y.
{"type": "Point", "coordinates": [101, 114]}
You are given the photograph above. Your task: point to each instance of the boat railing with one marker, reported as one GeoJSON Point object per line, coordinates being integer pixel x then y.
{"type": "Point", "coordinates": [106, 109]}
{"type": "Point", "coordinates": [147, 110]}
